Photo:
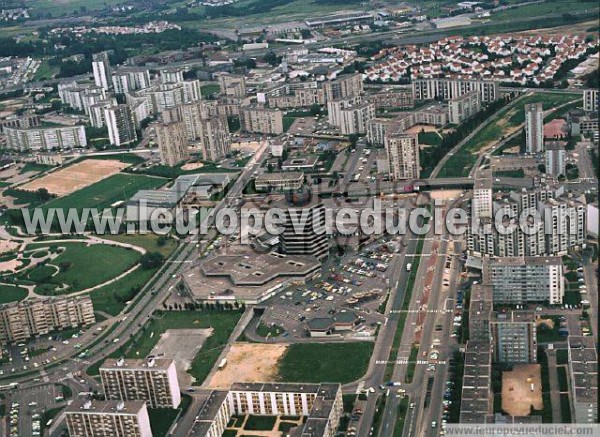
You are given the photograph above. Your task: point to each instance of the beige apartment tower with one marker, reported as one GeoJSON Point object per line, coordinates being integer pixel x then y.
{"type": "Point", "coordinates": [153, 381]}
{"type": "Point", "coordinates": [214, 138]}
{"type": "Point", "coordinates": [87, 418]}
{"type": "Point", "coordinates": [172, 142]}
{"type": "Point", "coordinates": [403, 155]}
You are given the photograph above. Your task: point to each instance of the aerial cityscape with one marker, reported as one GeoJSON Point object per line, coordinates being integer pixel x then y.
{"type": "Point", "coordinates": [303, 218]}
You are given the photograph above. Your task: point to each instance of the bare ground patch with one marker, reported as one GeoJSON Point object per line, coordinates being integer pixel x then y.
{"type": "Point", "coordinates": [76, 176]}
{"type": "Point", "coordinates": [517, 394]}
{"type": "Point", "coordinates": [248, 362]}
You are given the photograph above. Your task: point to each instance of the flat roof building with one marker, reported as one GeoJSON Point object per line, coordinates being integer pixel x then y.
{"type": "Point", "coordinates": [248, 279]}
{"type": "Point", "coordinates": [86, 418]}
{"type": "Point", "coordinates": [583, 374]}
{"type": "Point", "coordinates": [151, 380]}
{"type": "Point", "coordinates": [320, 405]}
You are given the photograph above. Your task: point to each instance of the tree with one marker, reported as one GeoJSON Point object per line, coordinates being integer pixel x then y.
{"type": "Point", "coordinates": [151, 260]}
{"type": "Point", "coordinates": [315, 109]}
{"type": "Point", "coordinates": [43, 195]}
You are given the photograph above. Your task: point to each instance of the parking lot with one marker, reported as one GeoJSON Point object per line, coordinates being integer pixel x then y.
{"type": "Point", "coordinates": [357, 283]}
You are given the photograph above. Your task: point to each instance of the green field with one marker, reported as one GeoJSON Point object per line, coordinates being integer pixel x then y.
{"type": "Point", "coordinates": [548, 7]}
{"type": "Point", "coordinates": [11, 293]}
{"type": "Point", "coordinates": [79, 266]}
{"type": "Point", "coordinates": [150, 242]}
{"type": "Point", "coordinates": [222, 322]}
{"type": "Point", "coordinates": [106, 192]}
{"type": "Point", "coordinates": [325, 362]}
{"type": "Point", "coordinates": [430, 138]}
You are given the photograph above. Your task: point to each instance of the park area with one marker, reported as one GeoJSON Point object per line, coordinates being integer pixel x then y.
{"type": "Point", "coordinates": [522, 390]}
{"type": "Point", "coordinates": [507, 121]}
{"type": "Point", "coordinates": [76, 176]}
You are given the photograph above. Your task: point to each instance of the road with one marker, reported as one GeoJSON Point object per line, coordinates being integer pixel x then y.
{"type": "Point", "coordinates": [149, 299]}
{"type": "Point", "coordinates": [438, 311]}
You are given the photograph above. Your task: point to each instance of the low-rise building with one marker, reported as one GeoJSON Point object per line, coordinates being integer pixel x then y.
{"type": "Point", "coordinates": [583, 375]}
{"type": "Point", "coordinates": [279, 181]}
{"type": "Point", "coordinates": [320, 405]}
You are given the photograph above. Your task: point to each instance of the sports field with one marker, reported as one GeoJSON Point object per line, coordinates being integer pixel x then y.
{"type": "Point", "coordinates": [104, 193]}
{"type": "Point", "coordinates": [76, 176]}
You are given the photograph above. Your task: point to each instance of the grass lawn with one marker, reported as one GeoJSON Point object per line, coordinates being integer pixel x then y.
{"type": "Point", "coordinates": [565, 408]}
{"type": "Point", "coordinates": [83, 266]}
{"type": "Point", "coordinates": [210, 89]}
{"type": "Point", "coordinates": [113, 297]}
{"type": "Point", "coordinates": [11, 293]}
{"type": "Point", "coordinates": [562, 356]}
{"type": "Point", "coordinates": [32, 166]}
{"type": "Point", "coordinates": [148, 241]}
{"type": "Point", "coordinates": [325, 362]}
{"type": "Point", "coordinates": [536, 10]}
{"type": "Point", "coordinates": [106, 192]}
{"type": "Point", "coordinates": [260, 423]}
{"type": "Point", "coordinates": [430, 138]}
{"type": "Point", "coordinates": [161, 419]}
{"type": "Point", "coordinates": [222, 322]}
{"type": "Point", "coordinates": [271, 331]}
{"type": "Point", "coordinates": [547, 335]}
{"type": "Point", "coordinates": [510, 173]}
{"type": "Point", "coordinates": [412, 362]}
{"type": "Point", "coordinates": [562, 379]}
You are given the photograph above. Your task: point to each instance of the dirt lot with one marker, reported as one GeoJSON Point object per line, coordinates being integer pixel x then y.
{"type": "Point", "coordinates": [517, 396]}
{"type": "Point", "coordinates": [76, 176]}
{"type": "Point", "coordinates": [421, 128]}
{"type": "Point", "coordinates": [248, 362]}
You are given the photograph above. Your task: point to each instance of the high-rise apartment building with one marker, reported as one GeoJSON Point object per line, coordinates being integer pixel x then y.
{"type": "Point", "coordinates": [590, 100]}
{"type": "Point", "coordinates": [101, 70]}
{"type": "Point", "coordinates": [402, 151]}
{"type": "Point", "coordinates": [448, 89]}
{"type": "Point", "coordinates": [153, 381]}
{"type": "Point", "coordinates": [49, 138]}
{"type": "Point", "coordinates": [232, 85]}
{"type": "Point", "coordinates": [556, 159]}
{"type": "Point", "coordinates": [261, 120]}
{"type": "Point", "coordinates": [534, 128]}
{"type": "Point", "coordinates": [519, 280]}
{"type": "Point", "coordinates": [462, 107]}
{"type": "Point", "coordinates": [86, 418]}
{"type": "Point", "coordinates": [22, 320]}
{"type": "Point", "coordinates": [129, 79]}
{"type": "Point", "coordinates": [172, 142]}
{"type": "Point", "coordinates": [343, 87]}
{"type": "Point", "coordinates": [350, 116]}
{"type": "Point", "coordinates": [482, 195]}
{"type": "Point", "coordinates": [214, 138]}
{"type": "Point", "coordinates": [171, 75]}
{"type": "Point", "coordinates": [121, 125]}
{"type": "Point", "coordinates": [514, 337]}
